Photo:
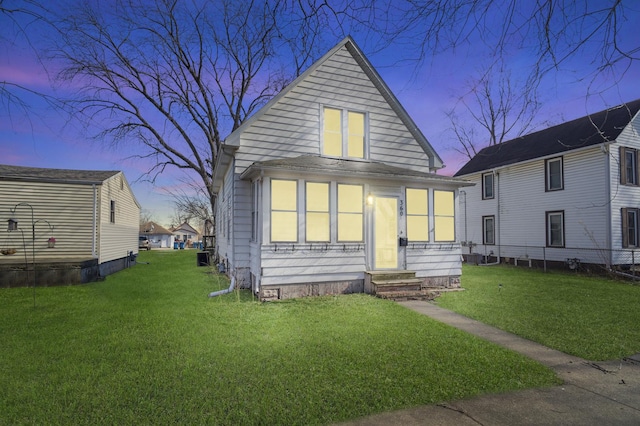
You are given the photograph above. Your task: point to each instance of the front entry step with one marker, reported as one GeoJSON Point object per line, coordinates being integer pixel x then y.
{"type": "Point", "coordinates": [398, 285]}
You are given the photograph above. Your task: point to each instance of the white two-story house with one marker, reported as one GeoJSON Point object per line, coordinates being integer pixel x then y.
{"type": "Point", "coordinates": [569, 193]}
{"type": "Point", "coordinates": [330, 182]}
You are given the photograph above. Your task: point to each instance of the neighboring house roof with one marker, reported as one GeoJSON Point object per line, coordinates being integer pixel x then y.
{"type": "Point", "coordinates": [153, 228]}
{"type": "Point", "coordinates": [185, 227]}
{"type": "Point", "coordinates": [84, 177]}
{"type": "Point", "coordinates": [311, 164]}
{"type": "Point", "coordinates": [601, 127]}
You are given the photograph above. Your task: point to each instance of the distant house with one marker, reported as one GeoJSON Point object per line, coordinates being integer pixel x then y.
{"type": "Point", "coordinates": [92, 215]}
{"type": "Point", "coordinates": [569, 193]}
{"type": "Point", "coordinates": [186, 233]}
{"type": "Point", "coordinates": [159, 236]}
{"type": "Point", "coordinates": [331, 186]}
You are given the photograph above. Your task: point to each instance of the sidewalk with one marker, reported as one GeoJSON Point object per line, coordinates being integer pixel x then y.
{"type": "Point", "coordinates": [603, 393]}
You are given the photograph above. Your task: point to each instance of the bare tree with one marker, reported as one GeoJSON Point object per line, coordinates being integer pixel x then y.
{"type": "Point", "coordinates": [496, 107]}
{"type": "Point", "coordinates": [168, 80]}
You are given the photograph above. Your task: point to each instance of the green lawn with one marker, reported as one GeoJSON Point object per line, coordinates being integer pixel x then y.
{"type": "Point", "coordinates": [591, 317]}
{"type": "Point", "coordinates": [146, 346]}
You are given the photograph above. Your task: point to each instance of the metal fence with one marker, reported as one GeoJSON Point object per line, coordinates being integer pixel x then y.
{"type": "Point", "coordinates": [574, 258]}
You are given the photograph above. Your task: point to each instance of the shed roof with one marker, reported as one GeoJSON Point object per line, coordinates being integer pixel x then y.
{"type": "Point", "coordinates": [83, 177]}
{"type": "Point", "coordinates": [601, 127]}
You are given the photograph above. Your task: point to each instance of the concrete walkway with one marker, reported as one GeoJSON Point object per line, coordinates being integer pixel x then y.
{"type": "Point", "coordinates": [603, 393]}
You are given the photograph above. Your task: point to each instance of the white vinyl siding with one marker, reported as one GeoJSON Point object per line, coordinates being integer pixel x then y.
{"type": "Point", "coordinates": [117, 238]}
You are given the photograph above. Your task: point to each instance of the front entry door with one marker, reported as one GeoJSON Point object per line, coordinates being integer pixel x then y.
{"type": "Point", "coordinates": [386, 233]}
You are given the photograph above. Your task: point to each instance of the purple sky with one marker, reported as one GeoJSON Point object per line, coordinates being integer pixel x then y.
{"type": "Point", "coordinates": [40, 137]}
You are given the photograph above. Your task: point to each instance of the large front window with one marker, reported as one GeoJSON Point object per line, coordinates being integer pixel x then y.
{"type": "Point", "coordinates": [284, 211]}
{"type": "Point", "coordinates": [417, 214]}
{"type": "Point", "coordinates": [317, 212]}
{"type": "Point", "coordinates": [343, 133]}
{"type": "Point", "coordinates": [443, 212]}
{"type": "Point", "coordinates": [350, 213]}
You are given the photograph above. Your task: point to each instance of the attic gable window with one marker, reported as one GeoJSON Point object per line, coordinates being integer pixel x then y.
{"type": "Point", "coordinates": [343, 133]}
{"type": "Point", "coordinates": [554, 174]}
{"type": "Point", "coordinates": [628, 166]}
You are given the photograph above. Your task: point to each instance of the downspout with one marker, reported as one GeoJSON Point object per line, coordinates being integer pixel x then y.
{"type": "Point", "coordinates": [232, 285]}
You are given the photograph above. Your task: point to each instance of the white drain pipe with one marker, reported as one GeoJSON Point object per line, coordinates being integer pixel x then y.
{"type": "Point", "coordinates": [226, 290]}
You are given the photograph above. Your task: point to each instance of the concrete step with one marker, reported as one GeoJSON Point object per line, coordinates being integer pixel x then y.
{"type": "Point", "coordinates": [408, 295]}
{"type": "Point", "coordinates": [391, 275]}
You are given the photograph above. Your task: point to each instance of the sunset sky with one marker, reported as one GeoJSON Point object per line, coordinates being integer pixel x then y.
{"type": "Point", "coordinates": [37, 135]}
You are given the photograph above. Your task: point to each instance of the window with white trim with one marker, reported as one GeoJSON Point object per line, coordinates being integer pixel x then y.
{"type": "Point", "coordinates": [555, 228]}
{"type": "Point", "coordinates": [318, 227]}
{"type": "Point", "coordinates": [284, 211]}
{"type": "Point", "coordinates": [554, 174]}
{"type": "Point", "coordinates": [417, 214]}
{"type": "Point", "coordinates": [350, 213]}
{"type": "Point", "coordinates": [343, 133]}
{"type": "Point", "coordinates": [488, 230]}
{"type": "Point", "coordinates": [443, 216]}
{"type": "Point", "coordinates": [487, 186]}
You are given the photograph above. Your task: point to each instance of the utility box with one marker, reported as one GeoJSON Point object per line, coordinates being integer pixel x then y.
{"type": "Point", "coordinates": [203, 258]}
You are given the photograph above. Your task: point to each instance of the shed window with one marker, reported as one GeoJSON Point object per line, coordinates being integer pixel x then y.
{"type": "Point", "coordinates": [350, 213]}
{"type": "Point", "coordinates": [443, 212]}
{"type": "Point", "coordinates": [317, 212]}
{"type": "Point", "coordinates": [343, 133]}
{"type": "Point", "coordinates": [112, 211]}
{"type": "Point", "coordinates": [284, 211]}
{"type": "Point", "coordinates": [417, 214]}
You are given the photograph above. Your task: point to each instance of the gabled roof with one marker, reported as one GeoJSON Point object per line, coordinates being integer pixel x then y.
{"type": "Point", "coordinates": [601, 127]}
{"type": "Point", "coordinates": [154, 229]}
{"type": "Point", "coordinates": [434, 159]}
{"type": "Point", "coordinates": [315, 164]}
{"type": "Point", "coordinates": [185, 227]}
{"type": "Point", "coordinates": [36, 174]}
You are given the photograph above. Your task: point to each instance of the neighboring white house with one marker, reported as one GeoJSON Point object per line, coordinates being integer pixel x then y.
{"type": "Point", "coordinates": [330, 182]}
{"type": "Point", "coordinates": [186, 233]}
{"type": "Point", "coordinates": [569, 193]}
{"type": "Point", "coordinates": [92, 215]}
{"type": "Point", "coordinates": [158, 236]}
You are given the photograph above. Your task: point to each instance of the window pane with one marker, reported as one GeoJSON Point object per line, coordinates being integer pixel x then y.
{"type": "Point", "coordinates": [418, 228]}
{"type": "Point", "coordinates": [283, 195]}
{"type": "Point", "coordinates": [555, 174]}
{"type": "Point", "coordinates": [349, 227]}
{"type": "Point", "coordinates": [443, 203]}
{"type": "Point", "coordinates": [417, 201]}
{"type": "Point", "coordinates": [555, 230]}
{"type": "Point", "coordinates": [630, 162]}
{"type": "Point", "coordinates": [332, 135]}
{"type": "Point", "coordinates": [317, 197]}
{"type": "Point", "coordinates": [632, 228]}
{"type": "Point", "coordinates": [489, 230]}
{"type": "Point", "coordinates": [318, 227]}
{"type": "Point", "coordinates": [284, 226]}
{"type": "Point", "coordinates": [356, 135]}
{"type": "Point", "coordinates": [350, 198]}
{"type": "Point", "coordinates": [487, 185]}
{"type": "Point", "coordinates": [444, 229]}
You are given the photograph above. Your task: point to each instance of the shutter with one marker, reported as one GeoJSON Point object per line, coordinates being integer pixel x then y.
{"type": "Point", "coordinates": [623, 166]}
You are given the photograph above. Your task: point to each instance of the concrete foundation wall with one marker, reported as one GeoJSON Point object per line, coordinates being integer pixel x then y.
{"type": "Point", "coordinates": [290, 291]}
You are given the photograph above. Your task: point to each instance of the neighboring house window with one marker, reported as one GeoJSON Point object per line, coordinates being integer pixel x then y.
{"type": "Point", "coordinates": [317, 212]}
{"type": "Point", "coordinates": [284, 211]}
{"type": "Point", "coordinates": [417, 214]}
{"type": "Point", "coordinates": [554, 176]}
{"type": "Point", "coordinates": [350, 213]}
{"type": "Point", "coordinates": [555, 229]}
{"type": "Point", "coordinates": [628, 166]}
{"type": "Point", "coordinates": [488, 230]}
{"type": "Point", "coordinates": [112, 212]}
{"type": "Point", "coordinates": [487, 186]}
{"type": "Point", "coordinates": [629, 227]}
{"type": "Point", "coordinates": [341, 139]}
{"type": "Point", "coordinates": [443, 212]}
